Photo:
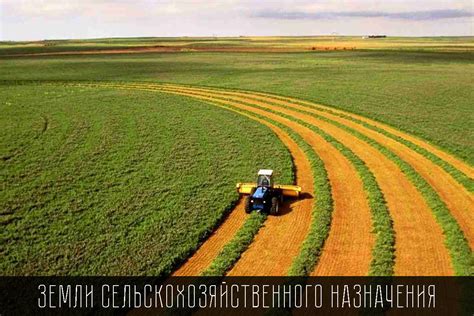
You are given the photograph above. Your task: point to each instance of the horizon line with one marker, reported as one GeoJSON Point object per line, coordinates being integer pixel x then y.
{"type": "Point", "coordinates": [230, 36]}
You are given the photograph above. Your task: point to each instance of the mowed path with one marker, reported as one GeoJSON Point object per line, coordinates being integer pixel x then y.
{"type": "Point", "coordinates": [348, 250]}
{"type": "Point", "coordinates": [412, 218]}
{"type": "Point", "coordinates": [292, 225]}
{"type": "Point", "coordinates": [420, 242]}
{"type": "Point", "coordinates": [203, 257]}
{"type": "Point", "coordinates": [279, 240]}
{"type": "Point", "coordinates": [459, 201]}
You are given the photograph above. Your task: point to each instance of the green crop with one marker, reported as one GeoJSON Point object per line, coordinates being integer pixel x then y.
{"type": "Point", "coordinates": [234, 248]}
{"type": "Point", "coordinates": [427, 94]}
{"type": "Point", "coordinates": [110, 182]}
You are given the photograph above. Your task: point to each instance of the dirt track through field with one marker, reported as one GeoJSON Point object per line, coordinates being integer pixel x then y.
{"type": "Point", "coordinates": [420, 242]}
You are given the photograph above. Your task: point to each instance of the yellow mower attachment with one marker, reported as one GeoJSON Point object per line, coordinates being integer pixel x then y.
{"type": "Point", "coordinates": [286, 189]}
{"type": "Point", "coordinates": [264, 195]}
{"type": "Point", "coordinates": [289, 190]}
{"type": "Point", "coordinates": [265, 180]}
{"type": "Point", "coordinates": [246, 187]}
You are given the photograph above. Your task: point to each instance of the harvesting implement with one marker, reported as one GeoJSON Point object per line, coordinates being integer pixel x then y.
{"type": "Point", "coordinates": [264, 195]}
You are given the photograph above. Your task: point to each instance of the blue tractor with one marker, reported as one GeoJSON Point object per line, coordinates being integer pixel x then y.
{"type": "Point", "coordinates": [264, 195]}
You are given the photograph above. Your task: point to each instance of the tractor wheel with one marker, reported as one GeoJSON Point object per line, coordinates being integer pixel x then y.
{"type": "Point", "coordinates": [248, 205]}
{"type": "Point", "coordinates": [275, 206]}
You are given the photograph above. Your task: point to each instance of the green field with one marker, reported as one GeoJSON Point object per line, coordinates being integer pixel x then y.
{"type": "Point", "coordinates": [105, 181]}
{"type": "Point", "coordinates": [428, 94]}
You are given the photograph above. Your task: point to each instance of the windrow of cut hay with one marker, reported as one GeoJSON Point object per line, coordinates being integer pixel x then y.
{"type": "Point", "coordinates": [383, 163]}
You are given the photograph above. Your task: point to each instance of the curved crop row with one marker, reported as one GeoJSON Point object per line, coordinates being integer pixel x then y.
{"type": "Point", "coordinates": [236, 246]}
{"type": "Point", "coordinates": [459, 251]}
{"type": "Point", "coordinates": [460, 170]}
{"type": "Point", "coordinates": [404, 218]}
{"type": "Point", "coordinates": [101, 192]}
{"type": "Point", "coordinates": [289, 113]}
{"type": "Point", "coordinates": [310, 263]}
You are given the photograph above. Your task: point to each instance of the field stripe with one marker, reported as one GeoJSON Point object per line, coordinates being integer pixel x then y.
{"type": "Point", "coordinates": [352, 247]}
{"type": "Point", "coordinates": [232, 251]}
{"type": "Point", "coordinates": [459, 201]}
{"type": "Point", "coordinates": [381, 148]}
{"type": "Point", "coordinates": [383, 255]}
{"type": "Point", "coordinates": [413, 220]}
{"type": "Point", "coordinates": [211, 247]}
{"type": "Point", "coordinates": [411, 141]}
{"type": "Point", "coordinates": [460, 171]}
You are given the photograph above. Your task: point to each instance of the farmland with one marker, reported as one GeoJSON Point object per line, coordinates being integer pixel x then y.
{"type": "Point", "coordinates": [96, 185]}
{"type": "Point", "coordinates": [243, 43]}
{"type": "Point", "coordinates": [135, 156]}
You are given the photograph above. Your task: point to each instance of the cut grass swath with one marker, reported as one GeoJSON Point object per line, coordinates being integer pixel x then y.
{"type": "Point", "coordinates": [383, 252]}
{"type": "Point", "coordinates": [458, 175]}
{"type": "Point", "coordinates": [233, 250]}
{"type": "Point", "coordinates": [320, 224]}
{"type": "Point", "coordinates": [461, 253]}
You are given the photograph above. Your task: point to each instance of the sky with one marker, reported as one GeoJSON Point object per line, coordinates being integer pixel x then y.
{"type": "Point", "coordinates": [55, 19]}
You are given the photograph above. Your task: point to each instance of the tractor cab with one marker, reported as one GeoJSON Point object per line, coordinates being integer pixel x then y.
{"type": "Point", "coordinates": [264, 195]}
{"type": "Point", "coordinates": [264, 178]}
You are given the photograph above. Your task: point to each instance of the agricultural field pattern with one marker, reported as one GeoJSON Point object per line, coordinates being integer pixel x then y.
{"type": "Point", "coordinates": [126, 164]}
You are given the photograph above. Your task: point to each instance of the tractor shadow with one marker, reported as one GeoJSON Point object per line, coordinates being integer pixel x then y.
{"type": "Point", "coordinates": [287, 205]}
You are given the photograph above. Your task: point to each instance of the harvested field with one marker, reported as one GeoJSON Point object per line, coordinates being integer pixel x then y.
{"type": "Point", "coordinates": [120, 156]}
{"type": "Point", "coordinates": [203, 257]}
{"type": "Point", "coordinates": [403, 201]}
{"type": "Point", "coordinates": [425, 199]}
{"type": "Point", "coordinates": [292, 224]}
